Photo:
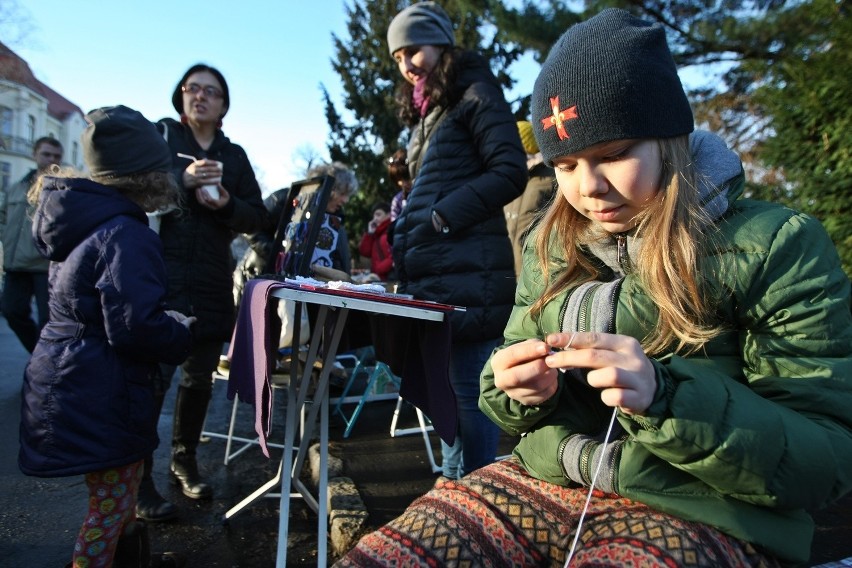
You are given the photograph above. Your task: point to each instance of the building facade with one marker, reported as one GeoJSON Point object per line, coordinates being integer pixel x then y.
{"type": "Point", "coordinates": [29, 109]}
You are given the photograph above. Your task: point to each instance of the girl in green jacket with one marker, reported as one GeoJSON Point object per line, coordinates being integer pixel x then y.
{"type": "Point", "coordinates": [677, 362]}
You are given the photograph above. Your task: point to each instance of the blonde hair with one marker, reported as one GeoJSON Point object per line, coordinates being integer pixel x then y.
{"type": "Point", "coordinates": [152, 191]}
{"type": "Point", "coordinates": [675, 230]}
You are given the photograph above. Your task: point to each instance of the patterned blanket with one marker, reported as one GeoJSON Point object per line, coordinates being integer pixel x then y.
{"type": "Point", "coordinates": [500, 516]}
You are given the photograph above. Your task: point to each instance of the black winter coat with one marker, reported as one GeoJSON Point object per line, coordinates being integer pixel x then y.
{"type": "Point", "coordinates": [197, 240]}
{"type": "Point", "coordinates": [472, 166]}
{"type": "Point", "coordinates": [87, 401]}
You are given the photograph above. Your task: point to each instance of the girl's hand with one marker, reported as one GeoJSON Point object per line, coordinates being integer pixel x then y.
{"type": "Point", "coordinates": [185, 321]}
{"type": "Point", "coordinates": [617, 365]}
{"type": "Point", "coordinates": [521, 372]}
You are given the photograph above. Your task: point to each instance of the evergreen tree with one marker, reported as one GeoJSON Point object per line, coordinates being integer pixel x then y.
{"type": "Point", "coordinates": [807, 97]}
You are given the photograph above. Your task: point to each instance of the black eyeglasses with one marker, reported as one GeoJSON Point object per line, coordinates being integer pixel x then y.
{"type": "Point", "coordinates": [394, 160]}
{"type": "Point", "coordinates": [209, 90]}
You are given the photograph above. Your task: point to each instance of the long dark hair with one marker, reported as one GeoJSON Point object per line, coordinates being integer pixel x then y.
{"type": "Point", "coordinates": [441, 87]}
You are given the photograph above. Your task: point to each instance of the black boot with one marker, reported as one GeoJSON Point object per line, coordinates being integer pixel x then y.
{"type": "Point", "coordinates": [190, 411]}
{"type": "Point", "coordinates": [134, 550]}
{"type": "Point", "coordinates": [150, 505]}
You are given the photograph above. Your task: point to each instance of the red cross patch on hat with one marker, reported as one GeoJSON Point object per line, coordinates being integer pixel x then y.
{"type": "Point", "coordinates": [559, 117]}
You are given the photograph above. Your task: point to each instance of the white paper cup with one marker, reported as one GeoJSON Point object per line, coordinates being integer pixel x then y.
{"type": "Point", "coordinates": [212, 189]}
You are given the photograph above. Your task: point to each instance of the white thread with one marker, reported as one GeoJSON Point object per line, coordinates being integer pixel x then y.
{"type": "Point", "coordinates": [591, 488]}
{"type": "Point", "coordinates": [568, 346]}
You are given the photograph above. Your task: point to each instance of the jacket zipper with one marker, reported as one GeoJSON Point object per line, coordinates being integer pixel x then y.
{"type": "Point", "coordinates": [622, 256]}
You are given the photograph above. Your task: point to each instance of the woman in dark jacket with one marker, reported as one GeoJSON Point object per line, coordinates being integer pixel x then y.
{"type": "Point", "coordinates": [196, 240]}
{"type": "Point", "coordinates": [88, 395]}
{"type": "Point", "coordinates": [450, 242]}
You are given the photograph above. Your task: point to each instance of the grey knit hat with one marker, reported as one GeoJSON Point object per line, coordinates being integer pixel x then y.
{"type": "Point", "coordinates": [119, 141]}
{"type": "Point", "coordinates": [424, 23]}
{"type": "Point", "coordinates": [611, 77]}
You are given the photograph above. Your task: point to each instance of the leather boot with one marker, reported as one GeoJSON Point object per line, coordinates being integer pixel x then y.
{"type": "Point", "coordinates": [150, 505]}
{"type": "Point", "coordinates": [190, 411]}
{"type": "Point", "coordinates": [134, 550]}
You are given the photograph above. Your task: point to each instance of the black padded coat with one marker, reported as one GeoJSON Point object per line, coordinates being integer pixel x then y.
{"type": "Point", "coordinates": [471, 166]}
{"type": "Point", "coordinates": [197, 240]}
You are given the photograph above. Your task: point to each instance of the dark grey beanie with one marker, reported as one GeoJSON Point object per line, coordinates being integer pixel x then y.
{"type": "Point", "coordinates": [611, 77]}
{"type": "Point", "coordinates": [424, 23]}
{"type": "Point", "coordinates": [119, 141]}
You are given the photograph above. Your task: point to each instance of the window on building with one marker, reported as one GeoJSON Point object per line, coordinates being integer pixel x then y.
{"type": "Point", "coordinates": [75, 154]}
{"type": "Point", "coordinates": [31, 129]}
{"type": "Point", "coordinates": [6, 127]}
{"type": "Point", "coordinates": [5, 174]}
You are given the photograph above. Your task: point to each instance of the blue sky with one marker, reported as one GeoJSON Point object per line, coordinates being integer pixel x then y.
{"type": "Point", "coordinates": [275, 54]}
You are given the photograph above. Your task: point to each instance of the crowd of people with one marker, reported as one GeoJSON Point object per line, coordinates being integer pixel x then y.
{"type": "Point", "coordinates": [676, 358]}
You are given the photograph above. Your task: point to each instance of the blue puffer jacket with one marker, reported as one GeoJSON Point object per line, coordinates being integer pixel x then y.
{"type": "Point", "coordinates": [87, 401]}
{"type": "Point", "coordinates": [472, 165]}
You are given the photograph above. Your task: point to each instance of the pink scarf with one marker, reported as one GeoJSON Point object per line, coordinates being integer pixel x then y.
{"type": "Point", "coordinates": [420, 101]}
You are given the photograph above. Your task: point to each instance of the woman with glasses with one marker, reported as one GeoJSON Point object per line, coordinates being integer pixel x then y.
{"type": "Point", "coordinates": [221, 197]}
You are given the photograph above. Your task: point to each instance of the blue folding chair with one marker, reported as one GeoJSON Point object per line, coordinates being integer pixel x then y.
{"type": "Point", "coordinates": [379, 376]}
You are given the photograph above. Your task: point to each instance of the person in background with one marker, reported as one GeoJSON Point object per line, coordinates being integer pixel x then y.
{"type": "Point", "coordinates": [332, 248]}
{"type": "Point", "coordinates": [87, 405]}
{"type": "Point", "coordinates": [24, 269]}
{"type": "Point", "coordinates": [196, 241]}
{"type": "Point", "coordinates": [678, 360]}
{"type": "Point", "coordinates": [522, 213]}
{"type": "Point", "coordinates": [374, 242]}
{"type": "Point", "coordinates": [401, 179]}
{"type": "Point", "coordinates": [450, 243]}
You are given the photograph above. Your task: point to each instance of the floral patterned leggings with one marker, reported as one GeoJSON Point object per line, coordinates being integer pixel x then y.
{"type": "Point", "coordinates": [112, 504]}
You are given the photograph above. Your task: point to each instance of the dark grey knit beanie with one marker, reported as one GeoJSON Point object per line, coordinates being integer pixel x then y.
{"type": "Point", "coordinates": [424, 23]}
{"type": "Point", "coordinates": [119, 141]}
{"type": "Point", "coordinates": [611, 77]}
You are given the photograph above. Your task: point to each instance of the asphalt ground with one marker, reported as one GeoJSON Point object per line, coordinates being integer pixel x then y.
{"type": "Point", "coordinates": [39, 518]}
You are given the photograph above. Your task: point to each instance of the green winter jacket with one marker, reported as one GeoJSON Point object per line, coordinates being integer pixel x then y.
{"type": "Point", "coordinates": [747, 435]}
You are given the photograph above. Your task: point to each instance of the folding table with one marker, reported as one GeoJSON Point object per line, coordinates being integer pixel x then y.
{"type": "Point", "coordinates": [326, 332]}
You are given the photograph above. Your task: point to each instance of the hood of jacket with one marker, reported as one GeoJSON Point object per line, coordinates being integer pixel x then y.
{"type": "Point", "coordinates": [70, 209]}
{"type": "Point", "coordinates": [471, 67]}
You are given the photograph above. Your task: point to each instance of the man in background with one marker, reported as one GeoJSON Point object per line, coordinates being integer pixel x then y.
{"type": "Point", "coordinates": [25, 270]}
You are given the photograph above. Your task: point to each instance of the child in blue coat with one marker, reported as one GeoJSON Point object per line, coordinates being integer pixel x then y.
{"type": "Point", "coordinates": [87, 400]}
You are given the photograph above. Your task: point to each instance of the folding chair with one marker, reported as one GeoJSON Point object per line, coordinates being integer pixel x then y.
{"type": "Point", "coordinates": [379, 373]}
{"type": "Point", "coordinates": [378, 376]}
{"type": "Point", "coordinates": [424, 426]}
{"type": "Point", "coordinates": [221, 374]}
